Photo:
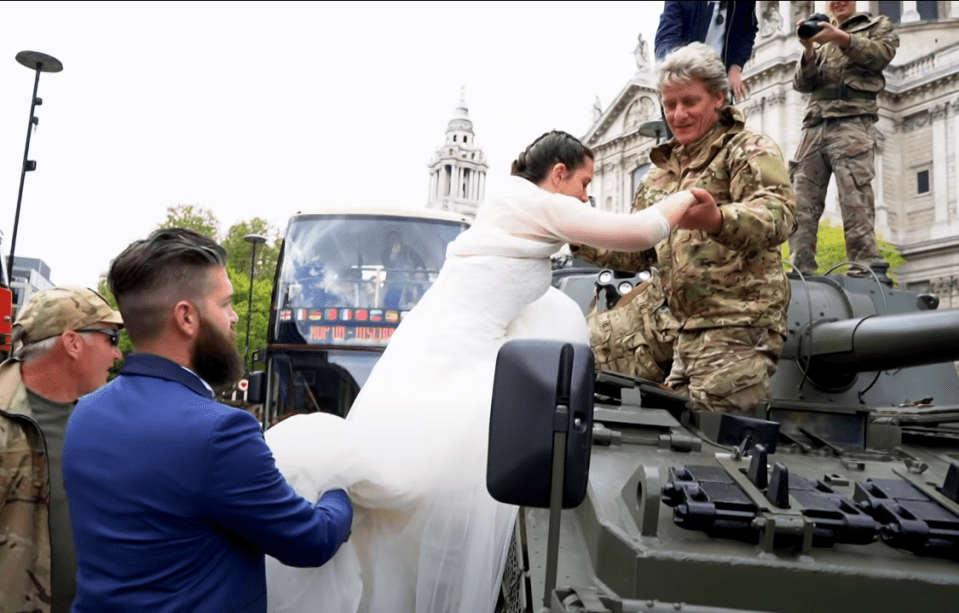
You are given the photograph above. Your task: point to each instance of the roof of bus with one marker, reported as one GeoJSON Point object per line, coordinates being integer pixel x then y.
{"type": "Point", "coordinates": [386, 211]}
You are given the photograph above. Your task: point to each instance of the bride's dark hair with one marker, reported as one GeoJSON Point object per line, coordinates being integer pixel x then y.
{"type": "Point", "coordinates": [556, 147]}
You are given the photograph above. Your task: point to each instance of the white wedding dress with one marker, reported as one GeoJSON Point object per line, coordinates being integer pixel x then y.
{"type": "Point", "coordinates": [427, 536]}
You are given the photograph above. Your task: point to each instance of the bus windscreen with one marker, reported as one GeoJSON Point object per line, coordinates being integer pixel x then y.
{"type": "Point", "coordinates": [349, 280]}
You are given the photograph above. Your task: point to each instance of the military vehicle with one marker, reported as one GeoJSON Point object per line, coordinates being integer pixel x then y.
{"type": "Point", "coordinates": [840, 494]}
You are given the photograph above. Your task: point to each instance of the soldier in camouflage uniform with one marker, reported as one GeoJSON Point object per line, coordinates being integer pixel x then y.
{"type": "Point", "coordinates": [60, 358]}
{"type": "Point", "coordinates": [841, 67]}
{"type": "Point", "coordinates": [726, 288]}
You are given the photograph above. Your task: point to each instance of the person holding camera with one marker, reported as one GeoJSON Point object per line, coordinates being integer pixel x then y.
{"type": "Point", "coordinates": [841, 67]}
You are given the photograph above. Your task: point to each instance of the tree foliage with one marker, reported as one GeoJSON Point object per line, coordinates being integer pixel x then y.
{"type": "Point", "coordinates": [241, 250]}
{"type": "Point", "coordinates": [193, 218]}
{"type": "Point", "coordinates": [831, 249]}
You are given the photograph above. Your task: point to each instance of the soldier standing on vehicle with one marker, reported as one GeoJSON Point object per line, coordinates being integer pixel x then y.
{"type": "Point", "coordinates": [67, 342]}
{"type": "Point", "coordinates": [841, 67]}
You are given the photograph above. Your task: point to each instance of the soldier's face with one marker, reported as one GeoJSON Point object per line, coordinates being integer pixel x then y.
{"type": "Point", "coordinates": [691, 110]}
{"type": "Point", "coordinates": [99, 356]}
{"type": "Point", "coordinates": [841, 10]}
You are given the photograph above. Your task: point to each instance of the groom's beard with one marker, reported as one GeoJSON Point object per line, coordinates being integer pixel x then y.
{"type": "Point", "coordinates": [215, 358]}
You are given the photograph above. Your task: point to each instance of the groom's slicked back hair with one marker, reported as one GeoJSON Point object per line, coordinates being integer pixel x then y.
{"type": "Point", "coordinates": [151, 275]}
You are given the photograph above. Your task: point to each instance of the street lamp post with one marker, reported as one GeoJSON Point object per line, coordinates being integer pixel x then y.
{"type": "Point", "coordinates": [255, 239]}
{"type": "Point", "coordinates": [41, 62]}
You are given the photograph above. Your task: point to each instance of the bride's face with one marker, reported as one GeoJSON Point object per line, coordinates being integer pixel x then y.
{"type": "Point", "coordinates": [574, 184]}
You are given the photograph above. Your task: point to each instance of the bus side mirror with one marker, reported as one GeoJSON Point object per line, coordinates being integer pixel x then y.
{"type": "Point", "coordinates": [256, 387]}
{"type": "Point", "coordinates": [542, 402]}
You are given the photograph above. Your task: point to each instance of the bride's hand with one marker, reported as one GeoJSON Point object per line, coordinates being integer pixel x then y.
{"type": "Point", "coordinates": [674, 206]}
{"type": "Point", "coordinates": [704, 214]}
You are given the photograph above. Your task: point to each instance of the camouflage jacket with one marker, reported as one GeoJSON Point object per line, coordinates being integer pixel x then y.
{"type": "Point", "coordinates": [835, 74]}
{"type": "Point", "coordinates": [734, 277]}
{"type": "Point", "coordinates": [24, 501]}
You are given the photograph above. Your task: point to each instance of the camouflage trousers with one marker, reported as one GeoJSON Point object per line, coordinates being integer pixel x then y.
{"type": "Point", "coordinates": [725, 369]}
{"type": "Point", "coordinates": [636, 336]}
{"type": "Point", "coordinates": [844, 147]}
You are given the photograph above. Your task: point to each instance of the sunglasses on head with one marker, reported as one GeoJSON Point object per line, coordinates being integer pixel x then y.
{"type": "Point", "coordinates": [112, 333]}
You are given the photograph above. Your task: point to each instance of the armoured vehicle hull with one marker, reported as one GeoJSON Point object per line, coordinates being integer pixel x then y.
{"type": "Point", "coordinates": [841, 495]}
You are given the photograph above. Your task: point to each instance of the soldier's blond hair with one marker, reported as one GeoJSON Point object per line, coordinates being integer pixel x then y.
{"type": "Point", "coordinates": [694, 61]}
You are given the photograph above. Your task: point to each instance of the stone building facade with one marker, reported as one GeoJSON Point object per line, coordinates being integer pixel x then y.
{"type": "Point", "coordinates": [916, 184]}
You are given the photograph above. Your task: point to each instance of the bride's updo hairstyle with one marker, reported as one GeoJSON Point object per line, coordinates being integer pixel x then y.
{"type": "Point", "coordinates": [556, 147]}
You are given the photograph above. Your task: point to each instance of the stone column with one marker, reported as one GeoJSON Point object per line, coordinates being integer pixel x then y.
{"type": "Point", "coordinates": [954, 110]}
{"type": "Point", "coordinates": [940, 151]}
{"type": "Point", "coordinates": [909, 11]}
{"type": "Point", "coordinates": [943, 288]}
{"type": "Point", "coordinates": [882, 209]}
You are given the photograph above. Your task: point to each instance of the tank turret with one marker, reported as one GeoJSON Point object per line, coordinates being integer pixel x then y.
{"type": "Point", "coordinates": [842, 327]}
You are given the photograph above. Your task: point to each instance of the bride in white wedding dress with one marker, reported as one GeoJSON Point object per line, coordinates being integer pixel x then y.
{"type": "Point", "coordinates": [427, 536]}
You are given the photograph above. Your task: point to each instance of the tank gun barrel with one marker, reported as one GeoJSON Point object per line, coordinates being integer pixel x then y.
{"type": "Point", "coordinates": [884, 342]}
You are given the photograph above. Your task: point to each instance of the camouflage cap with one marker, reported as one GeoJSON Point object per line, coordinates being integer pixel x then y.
{"type": "Point", "coordinates": [52, 312]}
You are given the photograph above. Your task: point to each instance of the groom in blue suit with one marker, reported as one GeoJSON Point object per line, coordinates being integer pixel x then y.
{"type": "Point", "coordinates": [174, 497]}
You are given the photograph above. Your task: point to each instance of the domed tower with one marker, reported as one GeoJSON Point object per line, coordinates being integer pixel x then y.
{"type": "Point", "coordinates": [458, 170]}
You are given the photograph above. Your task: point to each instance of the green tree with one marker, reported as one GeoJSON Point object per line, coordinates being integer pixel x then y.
{"type": "Point", "coordinates": [831, 249]}
{"type": "Point", "coordinates": [192, 217]}
{"type": "Point", "coordinates": [240, 249]}
{"type": "Point", "coordinates": [241, 255]}
{"type": "Point", "coordinates": [259, 321]}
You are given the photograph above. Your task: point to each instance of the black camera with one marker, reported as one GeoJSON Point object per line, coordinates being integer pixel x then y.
{"type": "Point", "coordinates": [811, 26]}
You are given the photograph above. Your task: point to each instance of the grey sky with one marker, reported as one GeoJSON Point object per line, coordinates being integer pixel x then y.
{"type": "Point", "coordinates": [264, 109]}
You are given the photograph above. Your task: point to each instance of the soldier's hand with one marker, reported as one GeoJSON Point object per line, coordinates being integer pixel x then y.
{"type": "Point", "coordinates": [736, 83]}
{"type": "Point", "coordinates": [829, 33]}
{"type": "Point", "coordinates": [704, 214]}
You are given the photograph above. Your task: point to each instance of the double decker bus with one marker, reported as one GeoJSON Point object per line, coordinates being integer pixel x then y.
{"type": "Point", "coordinates": [345, 279]}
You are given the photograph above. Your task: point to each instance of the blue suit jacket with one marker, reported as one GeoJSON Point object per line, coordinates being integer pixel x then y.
{"type": "Point", "coordinates": [682, 23]}
{"type": "Point", "coordinates": [175, 498]}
